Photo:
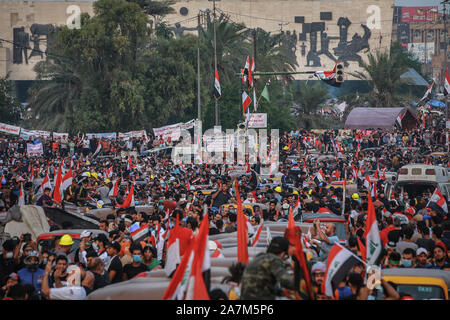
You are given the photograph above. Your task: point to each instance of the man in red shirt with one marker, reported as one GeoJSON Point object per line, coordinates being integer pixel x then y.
{"type": "Point", "coordinates": [385, 231]}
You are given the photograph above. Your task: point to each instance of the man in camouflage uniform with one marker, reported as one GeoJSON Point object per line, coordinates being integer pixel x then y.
{"type": "Point", "coordinates": [267, 272]}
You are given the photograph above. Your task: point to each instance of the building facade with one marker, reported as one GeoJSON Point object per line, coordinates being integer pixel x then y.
{"type": "Point", "coordinates": [320, 32]}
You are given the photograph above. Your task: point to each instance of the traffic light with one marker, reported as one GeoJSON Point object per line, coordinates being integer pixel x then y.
{"type": "Point", "coordinates": [339, 72]}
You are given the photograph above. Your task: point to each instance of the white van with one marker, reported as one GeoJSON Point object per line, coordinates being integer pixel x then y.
{"type": "Point", "coordinates": [415, 179]}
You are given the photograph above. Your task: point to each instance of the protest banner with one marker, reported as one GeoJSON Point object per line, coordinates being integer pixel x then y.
{"type": "Point", "coordinates": [9, 129]}
{"type": "Point", "coordinates": [258, 120]}
{"type": "Point", "coordinates": [34, 150]}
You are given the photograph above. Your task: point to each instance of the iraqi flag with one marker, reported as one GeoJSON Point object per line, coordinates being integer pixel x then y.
{"type": "Point", "coordinates": [246, 70]}
{"type": "Point", "coordinates": [399, 118]}
{"type": "Point", "coordinates": [367, 182]}
{"type": "Point", "coordinates": [372, 235]}
{"type": "Point", "coordinates": [217, 89]}
{"type": "Point", "coordinates": [329, 77]}
{"type": "Point", "coordinates": [319, 178]}
{"type": "Point", "coordinates": [242, 229]}
{"type": "Point", "coordinates": [254, 240]}
{"type": "Point", "coordinates": [45, 184]}
{"type": "Point", "coordinates": [129, 200]}
{"type": "Point", "coordinates": [57, 191]}
{"type": "Point", "coordinates": [188, 282]}
{"type": "Point", "coordinates": [427, 94]}
{"type": "Point", "coordinates": [67, 180]}
{"type": "Point", "coordinates": [99, 147]}
{"type": "Point", "coordinates": [336, 175]}
{"type": "Point", "coordinates": [297, 207]}
{"type": "Point", "coordinates": [294, 234]}
{"type": "Point", "coordinates": [439, 200]}
{"type": "Point", "coordinates": [446, 83]}
{"type": "Point", "coordinates": [21, 196]}
{"type": "Point", "coordinates": [339, 262]}
{"type": "Point", "coordinates": [115, 189]}
{"type": "Point", "coordinates": [140, 234]}
{"type": "Point", "coordinates": [245, 102]}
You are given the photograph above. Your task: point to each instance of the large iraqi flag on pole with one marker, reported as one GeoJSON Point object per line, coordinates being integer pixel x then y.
{"type": "Point", "coordinates": [339, 262]}
{"type": "Point", "coordinates": [372, 234]}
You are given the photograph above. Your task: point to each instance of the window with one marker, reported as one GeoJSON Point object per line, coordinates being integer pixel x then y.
{"type": "Point", "coordinates": [416, 171]}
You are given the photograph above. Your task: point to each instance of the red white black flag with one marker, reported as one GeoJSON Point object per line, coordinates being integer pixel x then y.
{"type": "Point", "coordinates": [329, 77]}
{"type": "Point", "coordinates": [217, 89]}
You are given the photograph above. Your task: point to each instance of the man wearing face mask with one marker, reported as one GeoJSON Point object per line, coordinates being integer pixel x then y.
{"type": "Point", "coordinates": [133, 269]}
{"type": "Point", "coordinates": [408, 258]}
{"type": "Point", "coordinates": [31, 274]}
{"type": "Point", "coordinates": [84, 248]}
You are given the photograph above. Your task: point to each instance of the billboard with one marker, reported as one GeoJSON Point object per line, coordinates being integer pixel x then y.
{"type": "Point", "coordinates": [420, 14]}
{"type": "Point", "coordinates": [418, 49]}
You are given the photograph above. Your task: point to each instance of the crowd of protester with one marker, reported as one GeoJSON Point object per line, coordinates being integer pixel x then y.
{"type": "Point", "coordinates": [414, 234]}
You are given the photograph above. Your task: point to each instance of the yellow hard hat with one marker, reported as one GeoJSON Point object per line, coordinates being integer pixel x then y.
{"type": "Point", "coordinates": [355, 196]}
{"type": "Point", "coordinates": [94, 174]}
{"type": "Point", "coordinates": [310, 191]}
{"type": "Point", "coordinates": [86, 174]}
{"type": "Point", "coordinates": [107, 181]}
{"type": "Point", "coordinates": [66, 240]}
{"type": "Point", "coordinates": [295, 192]}
{"type": "Point", "coordinates": [285, 148]}
{"type": "Point", "coordinates": [278, 189]}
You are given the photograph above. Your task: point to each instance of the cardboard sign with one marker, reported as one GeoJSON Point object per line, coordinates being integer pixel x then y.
{"type": "Point", "coordinates": [34, 149]}
{"type": "Point", "coordinates": [258, 120]}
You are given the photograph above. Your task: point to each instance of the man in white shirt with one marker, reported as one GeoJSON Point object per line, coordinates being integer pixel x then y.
{"type": "Point", "coordinates": [79, 283]}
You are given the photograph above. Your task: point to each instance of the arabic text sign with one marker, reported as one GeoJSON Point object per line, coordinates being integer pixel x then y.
{"type": "Point", "coordinates": [34, 149]}
{"type": "Point", "coordinates": [258, 120]}
{"type": "Point", "coordinates": [9, 129]}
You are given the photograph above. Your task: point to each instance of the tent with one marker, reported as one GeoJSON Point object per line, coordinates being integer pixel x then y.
{"type": "Point", "coordinates": [380, 118]}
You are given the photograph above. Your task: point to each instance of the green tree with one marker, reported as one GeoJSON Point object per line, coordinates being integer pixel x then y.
{"type": "Point", "coordinates": [10, 109]}
{"type": "Point", "coordinates": [382, 72]}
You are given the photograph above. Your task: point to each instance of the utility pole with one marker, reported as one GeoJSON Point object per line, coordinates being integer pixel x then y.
{"type": "Point", "coordinates": [215, 58]}
{"type": "Point", "coordinates": [199, 108]}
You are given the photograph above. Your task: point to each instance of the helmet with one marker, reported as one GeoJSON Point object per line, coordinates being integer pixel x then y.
{"type": "Point", "coordinates": [355, 196]}
{"type": "Point", "coordinates": [285, 148]}
{"type": "Point", "coordinates": [107, 181]}
{"type": "Point", "coordinates": [94, 174]}
{"type": "Point", "coordinates": [295, 192]}
{"type": "Point", "coordinates": [278, 189]}
{"type": "Point", "coordinates": [66, 240]}
{"type": "Point", "coordinates": [86, 174]}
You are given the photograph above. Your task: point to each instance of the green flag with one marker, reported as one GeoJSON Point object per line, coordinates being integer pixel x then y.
{"type": "Point", "coordinates": [265, 93]}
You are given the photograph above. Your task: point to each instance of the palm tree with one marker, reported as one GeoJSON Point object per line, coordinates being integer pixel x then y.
{"type": "Point", "coordinates": [307, 99]}
{"type": "Point", "coordinates": [231, 48]}
{"type": "Point", "coordinates": [273, 54]}
{"type": "Point", "coordinates": [382, 72]}
{"type": "Point", "coordinates": [58, 84]}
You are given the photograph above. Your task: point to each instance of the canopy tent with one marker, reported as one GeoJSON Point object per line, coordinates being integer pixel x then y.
{"type": "Point", "coordinates": [380, 118]}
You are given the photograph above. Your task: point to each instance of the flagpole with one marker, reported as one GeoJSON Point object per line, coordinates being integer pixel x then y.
{"type": "Point", "coordinates": [345, 187]}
